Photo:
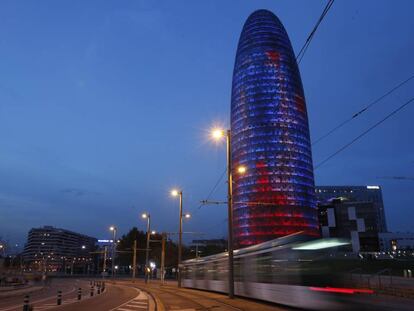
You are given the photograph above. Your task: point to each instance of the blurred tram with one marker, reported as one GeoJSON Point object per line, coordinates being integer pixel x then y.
{"type": "Point", "coordinates": [292, 270]}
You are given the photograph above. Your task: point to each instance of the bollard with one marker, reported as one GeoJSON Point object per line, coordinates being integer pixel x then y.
{"type": "Point", "coordinates": [59, 297]}
{"type": "Point", "coordinates": [92, 290]}
{"type": "Point", "coordinates": [99, 288]}
{"type": "Point", "coordinates": [26, 303]}
{"type": "Point", "coordinates": [79, 293]}
{"type": "Point", "coordinates": [103, 286]}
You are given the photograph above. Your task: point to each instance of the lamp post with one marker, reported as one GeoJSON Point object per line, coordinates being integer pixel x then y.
{"type": "Point", "coordinates": [180, 232]}
{"type": "Point", "coordinates": [218, 134]}
{"type": "Point", "coordinates": [179, 193]}
{"type": "Point", "coordinates": [113, 229]}
{"type": "Point", "coordinates": [147, 216]}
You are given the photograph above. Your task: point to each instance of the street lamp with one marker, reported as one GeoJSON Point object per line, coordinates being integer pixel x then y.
{"type": "Point", "coordinates": [179, 193]}
{"type": "Point", "coordinates": [147, 216]}
{"type": "Point", "coordinates": [241, 169]}
{"type": "Point", "coordinates": [113, 229]}
{"type": "Point", "coordinates": [218, 134]}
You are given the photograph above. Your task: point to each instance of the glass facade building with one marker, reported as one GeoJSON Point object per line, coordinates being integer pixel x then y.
{"type": "Point", "coordinates": [270, 137]}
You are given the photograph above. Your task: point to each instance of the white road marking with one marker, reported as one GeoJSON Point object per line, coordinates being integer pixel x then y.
{"type": "Point", "coordinates": [127, 306]}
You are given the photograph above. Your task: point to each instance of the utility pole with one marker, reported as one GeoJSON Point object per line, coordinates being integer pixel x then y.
{"type": "Point", "coordinates": [134, 260]}
{"type": "Point", "coordinates": [163, 257]}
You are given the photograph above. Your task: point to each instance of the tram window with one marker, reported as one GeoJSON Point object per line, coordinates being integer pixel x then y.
{"type": "Point", "coordinates": [222, 270]}
{"type": "Point", "coordinates": [263, 264]}
{"type": "Point", "coordinates": [199, 271]}
{"type": "Point", "coordinates": [237, 270]}
{"type": "Point", "coordinates": [210, 270]}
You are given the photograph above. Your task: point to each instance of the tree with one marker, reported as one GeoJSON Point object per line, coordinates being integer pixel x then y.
{"type": "Point", "coordinates": [126, 245]}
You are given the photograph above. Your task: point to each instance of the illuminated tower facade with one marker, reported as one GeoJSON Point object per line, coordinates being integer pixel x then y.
{"type": "Point", "coordinates": [270, 137]}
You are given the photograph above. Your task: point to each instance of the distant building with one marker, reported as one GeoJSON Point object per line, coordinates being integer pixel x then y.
{"type": "Point", "coordinates": [372, 194]}
{"type": "Point", "coordinates": [58, 250]}
{"type": "Point", "coordinates": [354, 212]}
{"type": "Point", "coordinates": [396, 241]}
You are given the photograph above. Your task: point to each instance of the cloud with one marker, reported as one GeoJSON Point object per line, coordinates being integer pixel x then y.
{"type": "Point", "coordinates": [78, 192]}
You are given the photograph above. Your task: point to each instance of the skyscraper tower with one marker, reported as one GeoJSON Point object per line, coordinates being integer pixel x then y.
{"type": "Point", "coordinates": [270, 137]}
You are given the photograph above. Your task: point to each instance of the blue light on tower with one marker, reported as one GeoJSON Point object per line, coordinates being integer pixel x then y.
{"type": "Point", "coordinates": [270, 136]}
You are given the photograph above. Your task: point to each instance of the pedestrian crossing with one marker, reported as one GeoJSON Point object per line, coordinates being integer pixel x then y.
{"type": "Point", "coordinates": [139, 303]}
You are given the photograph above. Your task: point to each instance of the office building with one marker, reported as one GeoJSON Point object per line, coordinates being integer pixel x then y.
{"type": "Point", "coordinates": [58, 250]}
{"type": "Point", "coordinates": [270, 137]}
{"type": "Point", "coordinates": [354, 212]}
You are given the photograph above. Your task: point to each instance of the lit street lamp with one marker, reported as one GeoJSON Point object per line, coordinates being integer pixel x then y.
{"type": "Point", "coordinates": [147, 216]}
{"type": "Point", "coordinates": [218, 134]}
{"type": "Point", "coordinates": [113, 229]}
{"type": "Point", "coordinates": [179, 193]}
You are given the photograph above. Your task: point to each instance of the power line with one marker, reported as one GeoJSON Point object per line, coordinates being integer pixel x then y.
{"type": "Point", "coordinates": [364, 133]}
{"type": "Point", "coordinates": [396, 177]}
{"type": "Point", "coordinates": [357, 114]}
{"type": "Point", "coordinates": [214, 188]}
{"type": "Point", "coordinates": [309, 39]}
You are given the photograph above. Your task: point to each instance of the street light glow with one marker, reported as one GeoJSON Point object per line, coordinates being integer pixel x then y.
{"type": "Point", "coordinates": [217, 133]}
{"type": "Point", "coordinates": [111, 228]}
{"type": "Point", "coordinates": [241, 169]}
{"type": "Point", "coordinates": [187, 215]}
{"type": "Point", "coordinates": [153, 232]}
{"type": "Point", "coordinates": [144, 215]}
{"type": "Point", "coordinates": [174, 192]}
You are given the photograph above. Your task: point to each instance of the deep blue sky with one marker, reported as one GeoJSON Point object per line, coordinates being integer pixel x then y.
{"type": "Point", "coordinates": [106, 105]}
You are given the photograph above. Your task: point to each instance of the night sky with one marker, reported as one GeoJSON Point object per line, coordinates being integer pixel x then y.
{"type": "Point", "coordinates": [106, 105]}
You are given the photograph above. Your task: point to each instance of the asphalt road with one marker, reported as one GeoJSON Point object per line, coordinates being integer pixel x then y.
{"type": "Point", "coordinates": [125, 295]}
{"type": "Point", "coordinates": [115, 297]}
{"type": "Point", "coordinates": [48, 294]}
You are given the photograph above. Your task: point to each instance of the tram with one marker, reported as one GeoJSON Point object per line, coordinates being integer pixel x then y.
{"type": "Point", "coordinates": [291, 270]}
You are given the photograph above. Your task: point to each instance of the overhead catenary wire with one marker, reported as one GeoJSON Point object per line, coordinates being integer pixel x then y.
{"type": "Point", "coordinates": [214, 188]}
{"type": "Point", "coordinates": [357, 114]}
{"type": "Point", "coordinates": [364, 133]}
{"type": "Point", "coordinates": [309, 39]}
{"type": "Point", "coordinates": [396, 177]}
